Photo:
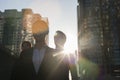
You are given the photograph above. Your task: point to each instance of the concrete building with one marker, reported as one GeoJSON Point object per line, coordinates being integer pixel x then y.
{"type": "Point", "coordinates": [1, 26]}
{"type": "Point", "coordinates": [11, 29]}
{"type": "Point", "coordinates": [15, 27]}
{"type": "Point", "coordinates": [98, 30]}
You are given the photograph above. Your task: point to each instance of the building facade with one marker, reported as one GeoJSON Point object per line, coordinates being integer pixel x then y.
{"type": "Point", "coordinates": [1, 26]}
{"type": "Point", "coordinates": [98, 30]}
{"type": "Point", "coordinates": [11, 27]}
{"type": "Point", "coordinates": [15, 27]}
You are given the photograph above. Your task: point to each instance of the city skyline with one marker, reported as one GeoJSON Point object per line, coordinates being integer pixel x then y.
{"type": "Point", "coordinates": [62, 15]}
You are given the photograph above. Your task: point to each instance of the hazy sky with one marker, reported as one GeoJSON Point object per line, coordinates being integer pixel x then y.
{"type": "Point", "coordinates": [62, 15]}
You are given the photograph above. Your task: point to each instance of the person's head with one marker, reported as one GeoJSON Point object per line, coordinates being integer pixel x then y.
{"type": "Point", "coordinates": [40, 30]}
{"type": "Point", "coordinates": [59, 39]}
{"type": "Point", "coordinates": [25, 45]}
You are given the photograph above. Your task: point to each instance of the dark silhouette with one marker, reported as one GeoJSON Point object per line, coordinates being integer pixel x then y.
{"type": "Point", "coordinates": [36, 61]}
{"type": "Point", "coordinates": [6, 63]}
{"type": "Point", "coordinates": [24, 46]}
{"type": "Point", "coordinates": [63, 63]}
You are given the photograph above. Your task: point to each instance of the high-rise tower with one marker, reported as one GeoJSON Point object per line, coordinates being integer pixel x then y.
{"type": "Point", "coordinates": [98, 29]}
{"type": "Point", "coordinates": [15, 27]}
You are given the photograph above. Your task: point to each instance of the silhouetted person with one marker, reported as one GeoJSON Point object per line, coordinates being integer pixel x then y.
{"type": "Point", "coordinates": [63, 63]}
{"type": "Point", "coordinates": [6, 63]}
{"type": "Point", "coordinates": [24, 46]}
{"type": "Point", "coordinates": [34, 65]}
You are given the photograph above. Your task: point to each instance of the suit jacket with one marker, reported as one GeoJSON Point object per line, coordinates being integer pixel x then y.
{"type": "Point", "coordinates": [24, 68]}
{"type": "Point", "coordinates": [62, 65]}
{"type": "Point", "coordinates": [51, 68]}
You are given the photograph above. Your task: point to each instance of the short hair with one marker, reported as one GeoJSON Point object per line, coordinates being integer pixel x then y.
{"type": "Point", "coordinates": [62, 35]}
{"type": "Point", "coordinates": [26, 42]}
{"type": "Point", "coordinates": [40, 27]}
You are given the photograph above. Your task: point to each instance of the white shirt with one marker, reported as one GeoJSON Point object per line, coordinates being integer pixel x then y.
{"type": "Point", "coordinates": [38, 57]}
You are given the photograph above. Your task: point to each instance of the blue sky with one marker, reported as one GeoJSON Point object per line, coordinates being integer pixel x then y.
{"type": "Point", "coordinates": [62, 15]}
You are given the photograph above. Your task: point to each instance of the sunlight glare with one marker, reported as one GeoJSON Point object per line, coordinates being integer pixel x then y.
{"type": "Point", "coordinates": [71, 43]}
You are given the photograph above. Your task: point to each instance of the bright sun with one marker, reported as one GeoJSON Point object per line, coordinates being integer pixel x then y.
{"type": "Point", "coordinates": [71, 44]}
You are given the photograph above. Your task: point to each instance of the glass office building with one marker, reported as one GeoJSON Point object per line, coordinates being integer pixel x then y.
{"type": "Point", "coordinates": [15, 27]}
{"type": "Point", "coordinates": [98, 33]}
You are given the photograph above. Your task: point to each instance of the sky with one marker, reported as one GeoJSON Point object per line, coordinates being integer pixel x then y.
{"type": "Point", "coordinates": [61, 14]}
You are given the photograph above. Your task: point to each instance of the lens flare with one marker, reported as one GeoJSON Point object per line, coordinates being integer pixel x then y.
{"type": "Point", "coordinates": [86, 67]}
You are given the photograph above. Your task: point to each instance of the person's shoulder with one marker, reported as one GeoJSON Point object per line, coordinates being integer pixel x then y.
{"type": "Point", "coordinates": [26, 52]}
{"type": "Point", "coordinates": [49, 50]}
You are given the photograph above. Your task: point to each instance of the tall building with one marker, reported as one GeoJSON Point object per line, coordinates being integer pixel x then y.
{"type": "Point", "coordinates": [11, 27]}
{"type": "Point", "coordinates": [98, 30]}
{"type": "Point", "coordinates": [110, 20]}
{"type": "Point", "coordinates": [1, 26]}
{"type": "Point", "coordinates": [15, 27]}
